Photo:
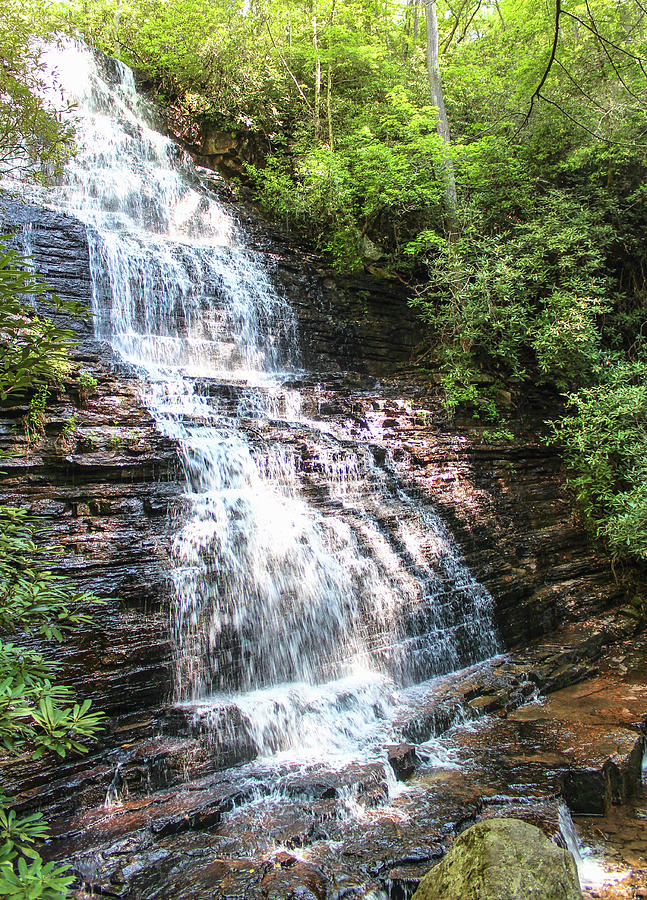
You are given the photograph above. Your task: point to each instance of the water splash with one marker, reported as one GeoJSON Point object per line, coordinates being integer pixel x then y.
{"type": "Point", "coordinates": [592, 868]}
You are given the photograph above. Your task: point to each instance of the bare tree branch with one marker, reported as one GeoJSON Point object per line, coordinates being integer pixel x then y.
{"type": "Point", "coordinates": [617, 71]}
{"type": "Point", "coordinates": [598, 137]}
{"type": "Point", "coordinates": [605, 40]}
{"type": "Point", "coordinates": [457, 18]}
{"type": "Point", "coordinates": [578, 85]}
{"type": "Point", "coordinates": [469, 22]}
{"type": "Point", "coordinates": [551, 60]}
{"type": "Point", "coordinates": [288, 69]}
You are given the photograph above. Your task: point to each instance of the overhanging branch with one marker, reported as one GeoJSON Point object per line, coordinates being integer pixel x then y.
{"type": "Point", "coordinates": [551, 60]}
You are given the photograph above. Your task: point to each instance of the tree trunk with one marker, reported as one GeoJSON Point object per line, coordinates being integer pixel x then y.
{"type": "Point", "coordinates": [329, 92]}
{"type": "Point", "coordinates": [410, 24]}
{"type": "Point", "coordinates": [317, 104]}
{"type": "Point", "coordinates": [329, 106]}
{"type": "Point", "coordinates": [436, 89]}
{"type": "Point", "coordinates": [116, 23]}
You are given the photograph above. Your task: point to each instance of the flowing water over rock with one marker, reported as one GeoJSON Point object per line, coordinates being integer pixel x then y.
{"type": "Point", "coordinates": [310, 588]}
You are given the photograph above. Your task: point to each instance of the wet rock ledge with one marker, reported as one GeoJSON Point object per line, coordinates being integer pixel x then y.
{"type": "Point", "coordinates": [501, 749]}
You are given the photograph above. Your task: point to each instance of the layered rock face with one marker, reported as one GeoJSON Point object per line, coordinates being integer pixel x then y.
{"type": "Point", "coordinates": [260, 532]}
{"type": "Point", "coordinates": [110, 486]}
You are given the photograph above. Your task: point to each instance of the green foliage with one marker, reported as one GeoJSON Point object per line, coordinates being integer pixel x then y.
{"type": "Point", "coordinates": [497, 436]}
{"type": "Point", "coordinates": [34, 421]}
{"type": "Point", "coordinates": [605, 439]}
{"type": "Point", "coordinates": [33, 600]}
{"type": "Point", "coordinates": [381, 178]}
{"type": "Point", "coordinates": [522, 303]}
{"type": "Point", "coordinates": [33, 350]}
{"type": "Point", "coordinates": [34, 879]}
{"type": "Point", "coordinates": [35, 138]}
{"type": "Point", "coordinates": [38, 715]}
{"type": "Point", "coordinates": [87, 382]}
{"type": "Point", "coordinates": [23, 874]}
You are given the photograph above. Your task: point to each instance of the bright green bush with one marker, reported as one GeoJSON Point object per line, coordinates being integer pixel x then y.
{"type": "Point", "coordinates": [381, 179]}
{"type": "Point", "coordinates": [520, 303]}
{"type": "Point", "coordinates": [604, 438]}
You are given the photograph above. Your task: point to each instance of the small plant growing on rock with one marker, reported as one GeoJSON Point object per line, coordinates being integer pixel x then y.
{"type": "Point", "coordinates": [90, 441]}
{"type": "Point", "coordinates": [86, 386]}
{"type": "Point", "coordinates": [497, 436]}
{"type": "Point", "coordinates": [116, 442]}
{"type": "Point", "coordinates": [34, 420]}
{"type": "Point", "coordinates": [67, 438]}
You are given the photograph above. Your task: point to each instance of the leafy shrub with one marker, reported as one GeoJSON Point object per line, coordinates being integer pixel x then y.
{"type": "Point", "coordinates": [36, 137]}
{"type": "Point", "coordinates": [605, 443]}
{"type": "Point", "coordinates": [523, 302]}
{"type": "Point", "coordinates": [38, 715]}
{"type": "Point", "coordinates": [381, 176]}
{"type": "Point", "coordinates": [33, 350]}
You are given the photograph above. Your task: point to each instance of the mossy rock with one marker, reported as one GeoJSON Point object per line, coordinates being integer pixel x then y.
{"type": "Point", "coordinates": [502, 859]}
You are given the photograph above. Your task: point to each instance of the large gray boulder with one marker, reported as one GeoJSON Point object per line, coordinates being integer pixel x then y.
{"type": "Point", "coordinates": [502, 859]}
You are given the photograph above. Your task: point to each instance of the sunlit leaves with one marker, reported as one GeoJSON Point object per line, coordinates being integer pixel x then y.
{"type": "Point", "coordinates": [35, 138]}
{"type": "Point", "coordinates": [605, 438]}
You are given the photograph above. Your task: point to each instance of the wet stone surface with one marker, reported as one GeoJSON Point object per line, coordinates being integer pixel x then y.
{"type": "Point", "coordinates": [290, 829]}
{"type": "Point", "coordinates": [181, 823]}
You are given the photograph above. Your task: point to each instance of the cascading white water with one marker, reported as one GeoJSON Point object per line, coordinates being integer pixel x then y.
{"type": "Point", "coordinates": [309, 587]}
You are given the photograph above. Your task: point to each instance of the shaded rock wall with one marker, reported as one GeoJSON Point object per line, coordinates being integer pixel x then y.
{"type": "Point", "coordinates": [226, 152]}
{"type": "Point", "coordinates": [506, 503]}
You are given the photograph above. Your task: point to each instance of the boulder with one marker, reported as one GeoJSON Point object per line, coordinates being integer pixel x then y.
{"type": "Point", "coordinates": [502, 859]}
{"type": "Point", "coordinates": [403, 760]}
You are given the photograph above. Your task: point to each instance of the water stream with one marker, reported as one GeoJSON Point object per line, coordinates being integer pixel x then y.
{"type": "Point", "coordinates": [310, 587]}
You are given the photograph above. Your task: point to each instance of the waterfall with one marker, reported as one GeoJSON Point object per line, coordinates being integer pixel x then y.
{"type": "Point", "coordinates": [310, 587]}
